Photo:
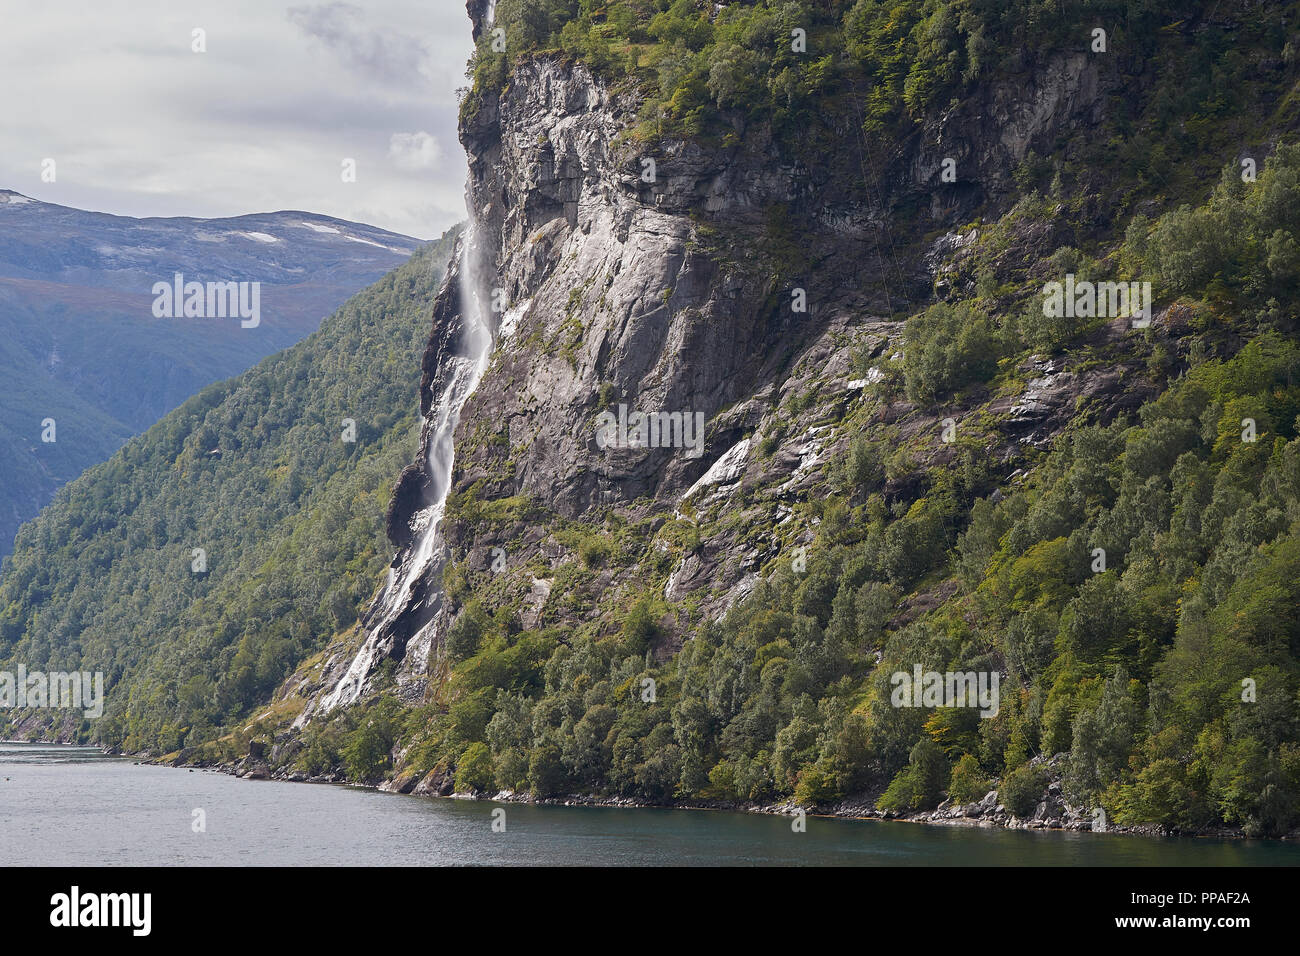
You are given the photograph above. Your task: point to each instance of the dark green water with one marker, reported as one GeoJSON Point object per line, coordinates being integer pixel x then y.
{"type": "Point", "coordinates": [71, 806]}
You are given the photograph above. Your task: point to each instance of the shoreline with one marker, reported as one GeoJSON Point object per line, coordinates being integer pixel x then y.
{"type": "Point", "coordinates": [947, 814]}
{"type": "Point", "coordinates": [984, 814]}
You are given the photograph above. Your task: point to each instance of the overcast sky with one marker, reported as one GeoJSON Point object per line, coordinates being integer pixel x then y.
{"type": "Point", "coordinates": [138, 124]}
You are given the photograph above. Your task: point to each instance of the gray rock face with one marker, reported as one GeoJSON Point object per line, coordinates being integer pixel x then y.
{"type": "Point", "coordinates": [616, 295]}
{"type": "Point", "coordinates": [610, 265]}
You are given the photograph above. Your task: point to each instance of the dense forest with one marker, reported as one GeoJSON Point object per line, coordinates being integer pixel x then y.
{"type": "Point", "coordinates": [1134, 579]}
{"type": "Point", "coordinates": [1169, 678]}
{"type": "Point", "coordinates": [780, 60]}
{"type": "Point", "coordinates": [1166, 671]}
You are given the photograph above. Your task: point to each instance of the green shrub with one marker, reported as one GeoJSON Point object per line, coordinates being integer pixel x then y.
{"type": "Point", "coordinates": [901, 795]}
{"type": "Point", "coordinates": [463, 637]}
{"type": "Point", "coordinates": [817, 784]}
{"type": "Point", "coordinates": [595, 550]}
{"type": "Point", "coordinates": [968, 783]}
{"type": "Point", "coordinates": [919, 786]}
{"type": "Point", "coordinates": [864, 466]}
{"type": "Point", "coordinates": [474, 769]}
{"type": "Point", "coordinates": [367, 756]}
{"type": "Point", "coordinates": [640, 628]}
{"type": "Point", "coordinates": [1022, 790]}
{"type": "Point", "coordinates": [546, 776]}
{"type": "Point", "coordinates": [946, 348]}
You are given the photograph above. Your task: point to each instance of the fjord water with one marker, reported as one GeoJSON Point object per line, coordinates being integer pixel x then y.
{"type": "Point", "coordinates": [72, 806]}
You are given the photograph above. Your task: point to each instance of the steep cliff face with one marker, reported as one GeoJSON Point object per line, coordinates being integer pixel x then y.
{"type": "Point", "coordinates": [909, 463]}
{"type": "Point", "coordinates": [663, 277]}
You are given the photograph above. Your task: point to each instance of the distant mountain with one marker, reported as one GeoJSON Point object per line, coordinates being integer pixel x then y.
{"type": "Point", "coordinates": [80, 343]}
{"type": "Point", "coordinates": [285, 500]}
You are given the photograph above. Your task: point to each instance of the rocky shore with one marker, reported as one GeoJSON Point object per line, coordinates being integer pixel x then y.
{"type": "Point", "coordinates": [1053, 811]}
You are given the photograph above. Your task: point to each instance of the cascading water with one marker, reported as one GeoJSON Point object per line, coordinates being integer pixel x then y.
{"type": "Point", "coordinates": [460, 376]}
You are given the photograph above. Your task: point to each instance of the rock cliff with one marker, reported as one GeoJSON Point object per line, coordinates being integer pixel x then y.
{"type": "Point", "coordinates": [657, 276]}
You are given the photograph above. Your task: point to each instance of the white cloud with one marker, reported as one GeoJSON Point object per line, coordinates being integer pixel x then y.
{"type": "Point", "coordinates": [385, 55]}
{"type": "Point", "coordinates": [414, 150]}
{"type": "Point", "coordinates": [141, 126]}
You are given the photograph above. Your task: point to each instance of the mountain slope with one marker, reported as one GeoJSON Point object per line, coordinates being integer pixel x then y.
{"type": "Point", "coordinates": [921, 470]}
{"type": "Point", "coordinates": [79, 331]}
{"type": "Point", "coordinates": [256, 472]}
{"type": "Point", "coordinates": [841, 257]}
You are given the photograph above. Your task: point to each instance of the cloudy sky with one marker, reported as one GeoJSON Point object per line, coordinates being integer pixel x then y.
{"type": "Point", "coordinates": [139, 124]}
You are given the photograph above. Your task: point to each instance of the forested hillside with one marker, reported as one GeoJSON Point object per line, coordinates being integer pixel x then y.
{"type": "Point", "coordinates": [1105, 515]}
{"type": "Point", "coordinates": [210, 555]}
{"type": "Point", "coordinates": [89, 361]}
{"type": "Point", "coordinates": [1139, 672]}
{"type": "Point", "coordinates": [832, 229]}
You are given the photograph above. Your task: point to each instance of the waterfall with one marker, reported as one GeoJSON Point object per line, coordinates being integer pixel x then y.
{"type": "Point", "coordinates": [461, 374]}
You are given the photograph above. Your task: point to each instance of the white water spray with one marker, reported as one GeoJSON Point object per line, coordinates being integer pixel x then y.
{"type": "Point", "coordinates": [461, 375]}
